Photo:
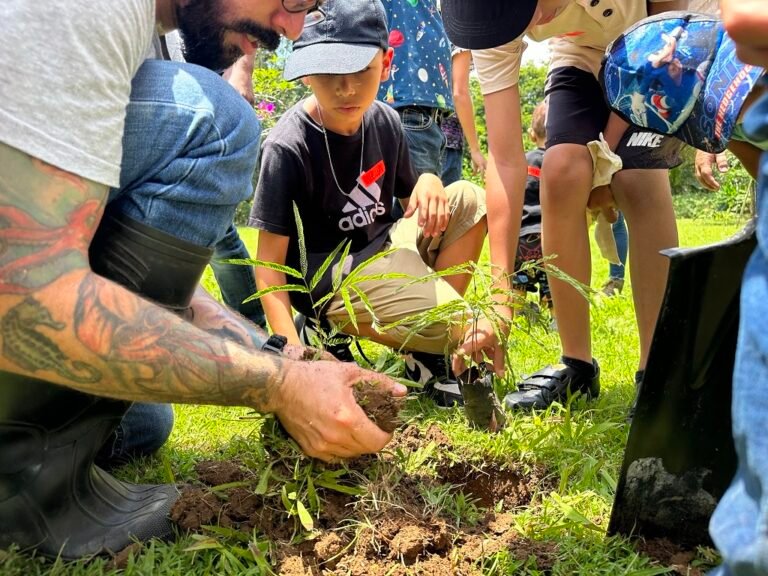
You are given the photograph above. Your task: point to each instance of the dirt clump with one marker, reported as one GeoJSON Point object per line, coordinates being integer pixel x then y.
{"type": "Point", "coordinates": [379, 405]}
{"type": "Point", "coordinates": [216, 473]}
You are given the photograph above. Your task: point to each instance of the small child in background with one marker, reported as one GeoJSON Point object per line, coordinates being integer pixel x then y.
{"type": "Point", "coordinates": [533, 279]}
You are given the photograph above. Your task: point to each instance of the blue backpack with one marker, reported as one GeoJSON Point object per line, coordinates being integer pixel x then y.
{"type": "Point", "coordinates": [678, 74]}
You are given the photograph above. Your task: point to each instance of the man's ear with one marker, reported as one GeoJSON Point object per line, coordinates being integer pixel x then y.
{"type": "Point", "coordinates": [305, 81]}
{"type": "Point", "coordinates": [386, 64]}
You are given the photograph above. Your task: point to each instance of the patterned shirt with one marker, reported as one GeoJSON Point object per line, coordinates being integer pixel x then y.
{"type": "Point", "coordinates": [454, 137]}
{"type": "Point", "coordinates": [421, 67]}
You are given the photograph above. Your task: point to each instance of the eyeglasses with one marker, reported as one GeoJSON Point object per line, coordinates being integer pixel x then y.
{"type": "Point", "coordinates": [296, 6]}
{"type": "Point", "coordinates": [314, 12]}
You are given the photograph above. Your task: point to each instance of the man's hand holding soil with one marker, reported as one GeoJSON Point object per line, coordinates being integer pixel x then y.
{"type": "Point", "coordinates": [317, 407]}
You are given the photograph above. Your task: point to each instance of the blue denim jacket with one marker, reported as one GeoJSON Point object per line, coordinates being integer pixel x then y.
{"type": "Point", "coordinates": [421, 68]}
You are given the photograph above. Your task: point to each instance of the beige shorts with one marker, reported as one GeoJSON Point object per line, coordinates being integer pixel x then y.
{"type": "Point", "coordinates": [394, 299]}
{"type": "Point", "coordinates": [499, 68]}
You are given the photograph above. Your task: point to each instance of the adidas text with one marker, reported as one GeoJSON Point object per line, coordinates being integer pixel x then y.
{"type": "Point", "coordinates": [361, 217]}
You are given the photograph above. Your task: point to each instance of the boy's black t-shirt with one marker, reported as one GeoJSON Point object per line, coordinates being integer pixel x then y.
{"type": "Point", "coordinates": [531, 222]}
{"type": "Point", "coordinates": [295, 167]}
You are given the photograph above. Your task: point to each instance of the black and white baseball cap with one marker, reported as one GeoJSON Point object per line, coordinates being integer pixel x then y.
{"type": "Point", "coordinates": [343, 42]}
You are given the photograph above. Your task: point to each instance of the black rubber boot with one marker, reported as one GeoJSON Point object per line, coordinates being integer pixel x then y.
{"type": "Point", "coordinates": [52, 497]}
{"type": "Point", "coordinates": [153, 264]}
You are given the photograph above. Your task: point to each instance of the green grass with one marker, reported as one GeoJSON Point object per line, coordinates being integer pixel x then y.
{"type": "Point", "coordinates": [580, 445]}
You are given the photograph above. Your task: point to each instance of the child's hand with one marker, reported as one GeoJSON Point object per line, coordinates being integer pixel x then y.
{"type": "Point", "coordinates": [703, 168]}
{"type": "Point", "coordinates": [479, 162]}
{"type": "Point", "coordinates": [429, 199]}
{"type": "Point", "coordinates": [480, 341]}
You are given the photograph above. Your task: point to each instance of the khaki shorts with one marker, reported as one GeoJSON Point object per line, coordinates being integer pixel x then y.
{"type": "Point", "coordinates": [398, 298]}
{"type": "Point", "coordinates": [498, 68]}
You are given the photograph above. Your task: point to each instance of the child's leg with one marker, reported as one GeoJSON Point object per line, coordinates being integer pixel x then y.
{"type": "Point", "coordinates": [394, 299]}
{"type": "Point", "coordinates": [463, 238]}
{"type": "Point", "coordinates": [645, 198]}
{"type": "Point", "coordinates": [566, 182]}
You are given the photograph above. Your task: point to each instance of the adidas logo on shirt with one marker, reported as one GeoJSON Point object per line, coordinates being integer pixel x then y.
{"type": "Point", "coordinates": [363, 205]}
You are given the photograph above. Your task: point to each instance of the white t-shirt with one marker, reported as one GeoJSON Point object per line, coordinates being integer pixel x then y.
{"type": "Point", "coordinates": [577, 37]}
{"type": "Point", "coordinates": [67, 69]}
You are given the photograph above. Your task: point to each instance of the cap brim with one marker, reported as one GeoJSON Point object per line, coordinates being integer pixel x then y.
{"type": "Point", "coordinates": [480, 25]}
{"type": "Point", "coordinates": [332, 58]}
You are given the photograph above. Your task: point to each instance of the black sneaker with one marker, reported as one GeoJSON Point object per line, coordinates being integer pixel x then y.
{"type": "Point", "coordinates": [338, 345]}
{"type": "Point", "coordinates": [433, 373]}
{"type": "Point", "coordinates": [554, 383]}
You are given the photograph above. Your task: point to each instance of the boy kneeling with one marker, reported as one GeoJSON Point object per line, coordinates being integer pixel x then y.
{"type": "Point", "coordinates": [342, 158]}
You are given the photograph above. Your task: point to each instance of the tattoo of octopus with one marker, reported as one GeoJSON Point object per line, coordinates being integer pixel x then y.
{"type": "Point", "coordinates": [18, 228]}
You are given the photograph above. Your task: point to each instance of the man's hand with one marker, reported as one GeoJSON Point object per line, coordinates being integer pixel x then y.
{"type": "Point", "coordinates": [318, 409]}
{"type": "Point", "coordinates": [601, 200]}
{"type": "Point", "coordinates": [480, 342]}
{"type": "Point", "coordinates": [479, 162]}
{"type": "Point", "coordinates": [703, 164]}
{"type": "Point", "coordinates": [429, 199]}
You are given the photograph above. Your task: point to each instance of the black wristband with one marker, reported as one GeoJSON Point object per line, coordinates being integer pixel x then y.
{"type": "Point", "coordinates": [275, 344]}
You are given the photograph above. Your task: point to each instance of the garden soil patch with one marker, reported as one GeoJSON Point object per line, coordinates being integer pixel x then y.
{"type": "Point", "coordinates": [397, 519]}
{"type": "Point", "coordinates": [667, 553]}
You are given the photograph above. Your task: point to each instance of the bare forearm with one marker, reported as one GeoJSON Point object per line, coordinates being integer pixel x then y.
{"type": "Point", "coordinates": [505, 182]}
{"type": "Point", "coordinates": [92, 335]}
{"type": "Point", "coordinates": [215, 318]}
{"type": "Point", "coordinates": [277, 305]}
{"type": "Point", "coordinates": [240, 76]}
{"type": "Point", "coordinates": [614, 130]}
{"type": "Point", "coordinates": [466, 114]}
{"type": "Point", "coordinates": [505, 179]}
{"type": "Point", "coordinates": [747, 22]}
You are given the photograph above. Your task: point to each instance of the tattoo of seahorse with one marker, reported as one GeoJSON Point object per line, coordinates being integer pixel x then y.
{"type": "Point", "coordinates": [31, 350]}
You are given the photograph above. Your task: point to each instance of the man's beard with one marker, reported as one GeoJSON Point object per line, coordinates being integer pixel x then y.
{"type": "Point", "coordinates": [203, 34]}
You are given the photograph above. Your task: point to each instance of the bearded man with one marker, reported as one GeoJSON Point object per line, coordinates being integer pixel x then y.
{"type": "Point", "coordinates": [118, 174]}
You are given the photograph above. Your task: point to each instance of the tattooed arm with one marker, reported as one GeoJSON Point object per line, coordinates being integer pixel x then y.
{"type": "Point", "coordinates": [62, 323]}
{"type": "Point", "coordinates": [214, 318]}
